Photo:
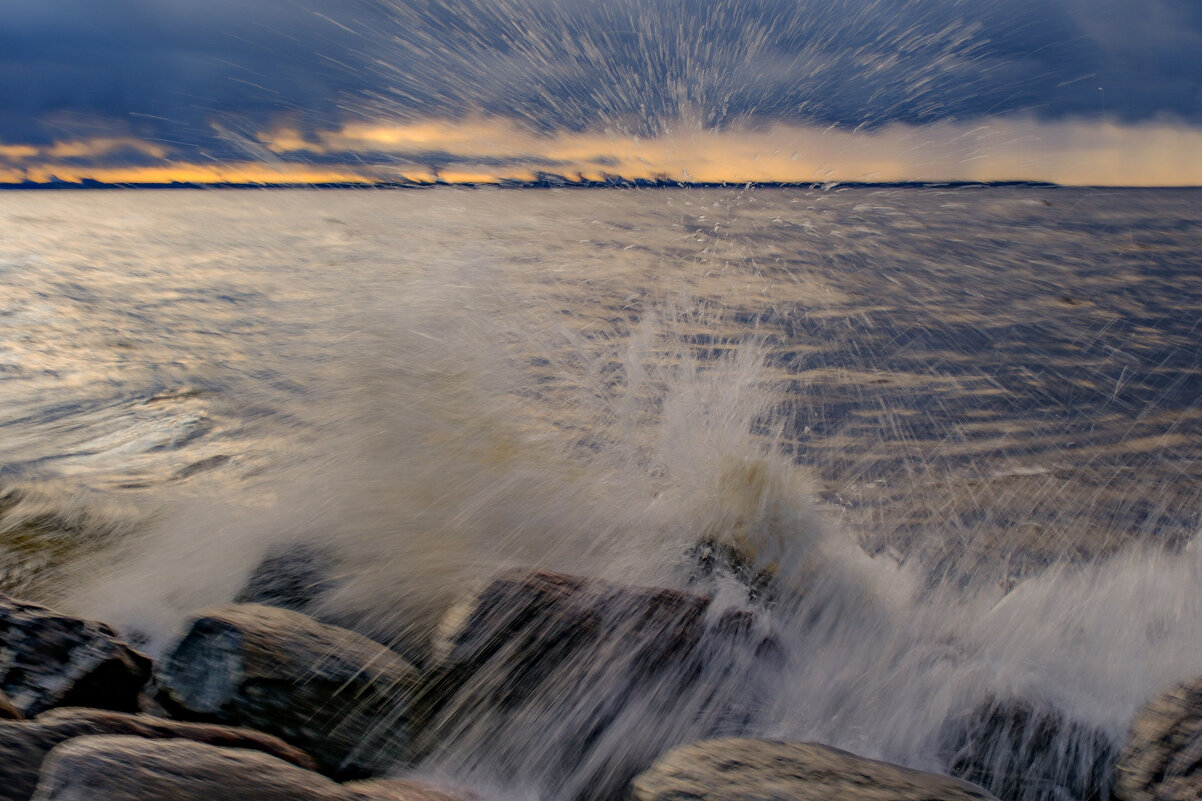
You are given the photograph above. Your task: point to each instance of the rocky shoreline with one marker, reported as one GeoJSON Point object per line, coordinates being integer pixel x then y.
{"type": "Point", "coordinates": [258, 700]}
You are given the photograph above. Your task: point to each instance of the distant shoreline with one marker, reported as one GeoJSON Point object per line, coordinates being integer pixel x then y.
{"type": "Point", "coordinates": [547, 183]}
{"type": "Point", "coordinates": [556, 182]}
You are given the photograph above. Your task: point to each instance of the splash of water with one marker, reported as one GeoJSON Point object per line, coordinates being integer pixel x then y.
{"type": "Point", "coordinates": [476, 438]}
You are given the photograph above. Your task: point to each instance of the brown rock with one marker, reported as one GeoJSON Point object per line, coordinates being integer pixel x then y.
{"type": "Point", "coordinates": [403, 790]}
{"type": "Point", "coordinates": [49, 659]}
{"type": "Point", "coordinates": [1162, 758]}
{"type": "Point", "coordinates": [24, 745]}
{"type": "Point", "coordinates": [340, 696]}
{"type": "Point", "coordinates": [7, 710]}
{"type": "Point", "coordinates": [751, 770]}
{"type": "Point", "coordinates": [117, 768]}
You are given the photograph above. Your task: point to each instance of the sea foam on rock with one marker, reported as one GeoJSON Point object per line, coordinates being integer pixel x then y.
{"type": "Point", "coordinates": [24, 744]}
{"type": "Point", "coordinates": [1162, 758]}
{"type": "Point", "coordinates": [737, 769]}
{"type": "Point", "coordinates": [338, 695]}
{"type": "Point", "coordinates": [1019, 749]}
{"type": "Point", "coordinates": [49, 659]}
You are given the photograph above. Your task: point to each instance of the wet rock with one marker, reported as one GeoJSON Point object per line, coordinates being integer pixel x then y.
{"type": "Point", "coordinates": [8, 711]}
{"type": "Point", "coordinates": [404, 790]}
{"type": "Point", "coordinates": [1019, 750]}
{"type": "Point", "coordinates": [750, 770]}
{"type": "Point", "coordinates": [571, 662]}
{"type": "Point", "coordinates": [1162, 758]}
{"type": "Point", "coordinates": [1178, 788]}
{"type": "Point", "coordinates": [713, 557]}
{"type": "Point", "coordinates": [506, 643]}
{"type": "Point", "coordinates": [49, 659]}
{"type": "Point", "coordinates": [117, 768]}
{"type": "Point", "coordinates": [293, 578]}
{"type": "Point", "coordinates": [738, 628]}
{"type": "Point", "coordinates": [338, 695]}
{"type": "Point", "coordinates": [24, 745]}
{"type": "Point", "coordinates": [538, 619]}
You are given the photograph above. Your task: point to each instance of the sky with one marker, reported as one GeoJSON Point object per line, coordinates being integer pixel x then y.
{"type": "Point", "coordinates": [1072, 91]}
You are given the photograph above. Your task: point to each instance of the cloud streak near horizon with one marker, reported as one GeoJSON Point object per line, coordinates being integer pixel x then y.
{"type": "Point", "coordinates": [1039, 89]}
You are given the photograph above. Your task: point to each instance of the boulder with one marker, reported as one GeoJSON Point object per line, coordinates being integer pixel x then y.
{"type": "Point", "coordinates": [1162, 758]}
{"type": "Point", "coordinates": [117, 768]}
{"type": "Point", "coordinates": [340, 696]}
{"type": "Point", "coordinates": [1034, 752]}
{"type": "Point", "coordinates": [404, 790]}
{"type": "Point", "coordinates": [763, 770]}
{"type": "Point", "coordinates": [572, 663]}
{"type": "Point", "coordinates": [48, 659]}
{"type": "Point", "coordinates": [294, 577]}
{"type": "Point", "coordinates": [23, 745]}
{"type": "Point", "coordinates": [534, 620]}
{"type": "Point", "coordinates": [529, 631]}
{"type": "Point", "coordinates": [8, 711]}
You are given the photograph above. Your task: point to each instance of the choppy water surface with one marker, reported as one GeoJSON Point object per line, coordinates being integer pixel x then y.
{"type": "Point", "coordinates": [959, 427]}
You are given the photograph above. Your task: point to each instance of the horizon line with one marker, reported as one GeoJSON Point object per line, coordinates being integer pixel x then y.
{"type": "Point", "coordinates": [552, 182]}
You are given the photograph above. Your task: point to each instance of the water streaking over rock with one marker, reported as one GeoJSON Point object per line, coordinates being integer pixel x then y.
{"type": "Point", "coordinates": [915, 472]}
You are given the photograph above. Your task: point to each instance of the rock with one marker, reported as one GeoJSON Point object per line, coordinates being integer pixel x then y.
{"type": "Point", "coordinates": [1162, 758]}
{"type": "Point", "coordinates": [23, 745]}
{"type": "Point", "coordinates": [7, 710]}
{"type": "Point", "coordinates": [291, 578]}
{"type": "Point", "coordinates": [117, 768]}
{"type": "Point", "coordinates": [403, 790]}
{"type": "Point", "coordinates": [572, 663]}
{"type": "Point", "coordinates": [1179, 788]}
{"type": "Point", "coordinates": [763, 770]}
{"type": "Point", "coordinates": [338, 695]}
{"type": "Point", "coordinates": [716, 557]}
{"type": "Point", "coordinates": [535, 620]}
{"type": "Point", "coordinates": [1019, 750]}
{"type": "Point", "coordinates": [504, 645]}
{"type": "Point", "coordinates": [49, 659]}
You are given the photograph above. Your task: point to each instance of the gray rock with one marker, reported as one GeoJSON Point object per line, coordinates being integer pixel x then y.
{"type": "Point", "coordinates": [340, 696]}
{"type": "Point", "coordinates": [764, 770]}
{"type": "Point", "coordinates": [1162, 758]}
{"type": "Point", "coordinates": [293, 577]}
{"type": "Point", "coordinates": [49, 659]}
{"type": "Point", "coordinates": [24, 745]}
{"type": "Point", "coordinates": [570, 662]}
{"type": "Point", "coordinates": [116, 768]}
{"type": "Point", "coordinates": [535, 620]}
{"type": "Point", "coordinates": [1022, 750]}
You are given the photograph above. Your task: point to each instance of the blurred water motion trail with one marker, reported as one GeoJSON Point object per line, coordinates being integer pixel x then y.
{"type": "Point", "coordinates": [902, 403]}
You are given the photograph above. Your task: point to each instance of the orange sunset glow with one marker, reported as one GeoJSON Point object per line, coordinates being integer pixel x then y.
{"type": "Point", "coordinates": [493, 150]}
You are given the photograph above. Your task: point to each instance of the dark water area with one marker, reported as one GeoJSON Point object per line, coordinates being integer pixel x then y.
{"type": "Point", "coordinates": [955, 430]}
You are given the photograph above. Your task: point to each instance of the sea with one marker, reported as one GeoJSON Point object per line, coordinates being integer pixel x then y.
{"type": "Point", "coordinates": [942, 443]}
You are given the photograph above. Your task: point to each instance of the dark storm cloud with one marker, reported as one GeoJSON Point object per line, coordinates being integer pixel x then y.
{"type": "Point", "coordinates": [203, 76]}
{"type": "Point", "coordinates": [168, 68]}
{"type": "Point", "coordinates": [845, 62]}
